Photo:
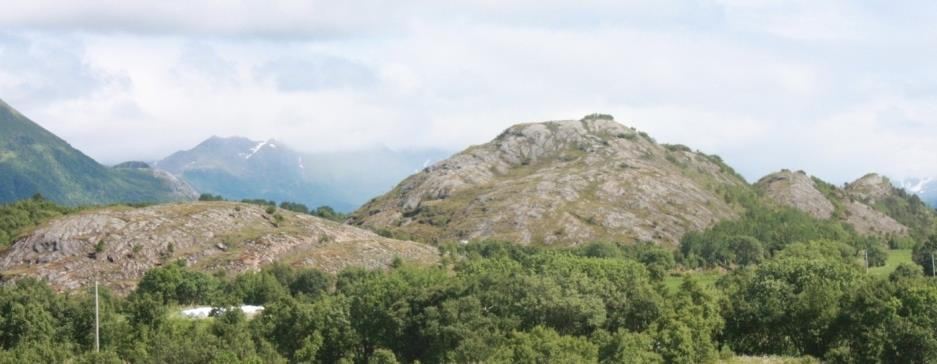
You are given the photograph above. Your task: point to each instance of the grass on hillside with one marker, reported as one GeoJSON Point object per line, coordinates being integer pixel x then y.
{"type": "Point", "coordinates": [895, 257]}
{"type": "Point", "coordinates": [708, 278]}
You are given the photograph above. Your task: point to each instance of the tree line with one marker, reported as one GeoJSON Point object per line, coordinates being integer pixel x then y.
{"type": "Point", "coordinates": [494, 303]}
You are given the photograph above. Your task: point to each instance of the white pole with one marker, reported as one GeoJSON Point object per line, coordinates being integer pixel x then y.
{"type": "Point", "coordinates": [867, 260]}
{"type": "Point", "coordinates": [97, 322]}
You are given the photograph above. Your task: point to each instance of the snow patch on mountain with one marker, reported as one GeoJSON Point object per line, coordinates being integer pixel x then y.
{"type": "Point", "coordinates": [255, 149]}
{"type": "Point", "coordinates": [917, 185]}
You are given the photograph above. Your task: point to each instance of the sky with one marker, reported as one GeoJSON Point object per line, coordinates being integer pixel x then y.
{"type": "Point", "coordinates": [836, 88]}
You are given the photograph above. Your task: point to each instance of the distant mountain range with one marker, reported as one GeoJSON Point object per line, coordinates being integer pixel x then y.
{"type": "Point", "coordinates": [33, 160]}
{"type": "Point", "coordinates": [240, 168]}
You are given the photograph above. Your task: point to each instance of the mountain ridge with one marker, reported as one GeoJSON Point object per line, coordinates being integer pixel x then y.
{"type": "Point", "coordinates": [34, 160]}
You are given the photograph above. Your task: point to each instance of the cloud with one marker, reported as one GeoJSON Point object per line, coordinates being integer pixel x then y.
{"type": "Point", "coordinates": [276, 19]}
{"type": "Point", "coordinates": [36, 70]}
{"type": "Point", "coordinates": [198, 61]}
{"type": "Point", "coordinates": [315, 73]}
{"type": "Point", "coordinates": [839, 88]}
{"type": "Point", "coordinates": [321, 19]}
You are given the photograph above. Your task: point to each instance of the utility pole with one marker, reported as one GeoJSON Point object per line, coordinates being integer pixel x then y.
{"type": "Point", "coordinates": [867, 260]}
{"type": "Point", "coordinates": [932, 273]}
{"type": "Point", "coordinates": [97, 322]}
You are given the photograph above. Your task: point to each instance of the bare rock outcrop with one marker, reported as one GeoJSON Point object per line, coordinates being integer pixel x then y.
{"type": "Point", "coordinates": [868, 221]}
{"type": "Point", "coordinates": [870, 188]}
{"type": "Point", "coordinates": [802, 192]}
{"type": "Point", "coordinates": [120, 244]}
{"type": "Point", "coordinates": [797, 190]}
{"type": "Point", "coordinates": [560, 182]}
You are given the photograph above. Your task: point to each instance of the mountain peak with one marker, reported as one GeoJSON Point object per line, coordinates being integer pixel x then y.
{"type": "Point", "coordinates": [871, 187]}
{"type": "Point", "coordinates": [822, 200]}
{"type": "Point", "coordinates": [597, 125]}
{"type": "Point", "coordinates": [797, 190]}
{"type": "Point", "coordinates": [563, 182]}
{"type": "Point", "coordinates": [215, 141]}
{"type": "Point", "coordinates": [531, 143]}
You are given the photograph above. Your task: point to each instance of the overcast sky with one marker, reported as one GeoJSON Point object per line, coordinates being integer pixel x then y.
{"type": "Point", "coordinates": [834, 88]}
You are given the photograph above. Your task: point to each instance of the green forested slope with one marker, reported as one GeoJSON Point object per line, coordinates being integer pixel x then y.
{"type": "Point", "coordinates": [33, 160]}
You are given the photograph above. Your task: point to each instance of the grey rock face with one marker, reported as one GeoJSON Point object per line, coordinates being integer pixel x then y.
{"type": "Point", "coordinates": [797, 190]}
{"type": "Point", "coordinates": [800, 191]}
{"type": "Point", "coordinates": [562, 182]}
{"type": "Point", "coordinates": [869, 221]}
{"type": "Point", "coordinates": [870, 188]}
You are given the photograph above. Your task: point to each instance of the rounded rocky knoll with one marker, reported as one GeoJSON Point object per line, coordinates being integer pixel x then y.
{"type": "Point", "coordinates": [120, 244]}
{"type": "Point", "coordinates": [562, 183]}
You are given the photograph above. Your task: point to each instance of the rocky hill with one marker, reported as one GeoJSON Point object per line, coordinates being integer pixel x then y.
{"type": "Point", "coordinates": [121, 243]}
{"type": "Point", "coordinates": [797, 190]}
{"type": "Point", "coordinates": [33, 160]}
{"type": "Point", "coordinates": [871, 188]}
{"type": "Point", "coordinates": [560, 182]}
{"type": "Point", "coordinates": [880, 193]}
{"type": "Point", "coordinates": [825, 201]}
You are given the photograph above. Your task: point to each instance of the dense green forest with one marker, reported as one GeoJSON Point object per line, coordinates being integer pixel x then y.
{"type": "Point", "coordinates": [494, 303]}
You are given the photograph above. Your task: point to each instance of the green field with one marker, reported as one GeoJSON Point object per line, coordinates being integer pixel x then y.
{"type": "Point", "coordinates": [706, 278]}
{"type": "Point", "coordinates": [895, 257]}
{"type": "Point", "coordinates": [709, 277]}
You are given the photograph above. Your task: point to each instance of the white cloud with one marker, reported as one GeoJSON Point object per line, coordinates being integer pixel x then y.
{"type": "Point", "coordinates": [34, 68]}
{"type": "Point", "coordinates": [294, 18]}
{"type": "Point", "coordinates": [315, 73]}
{"type": "Point", "coordinates": [836, 88]}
